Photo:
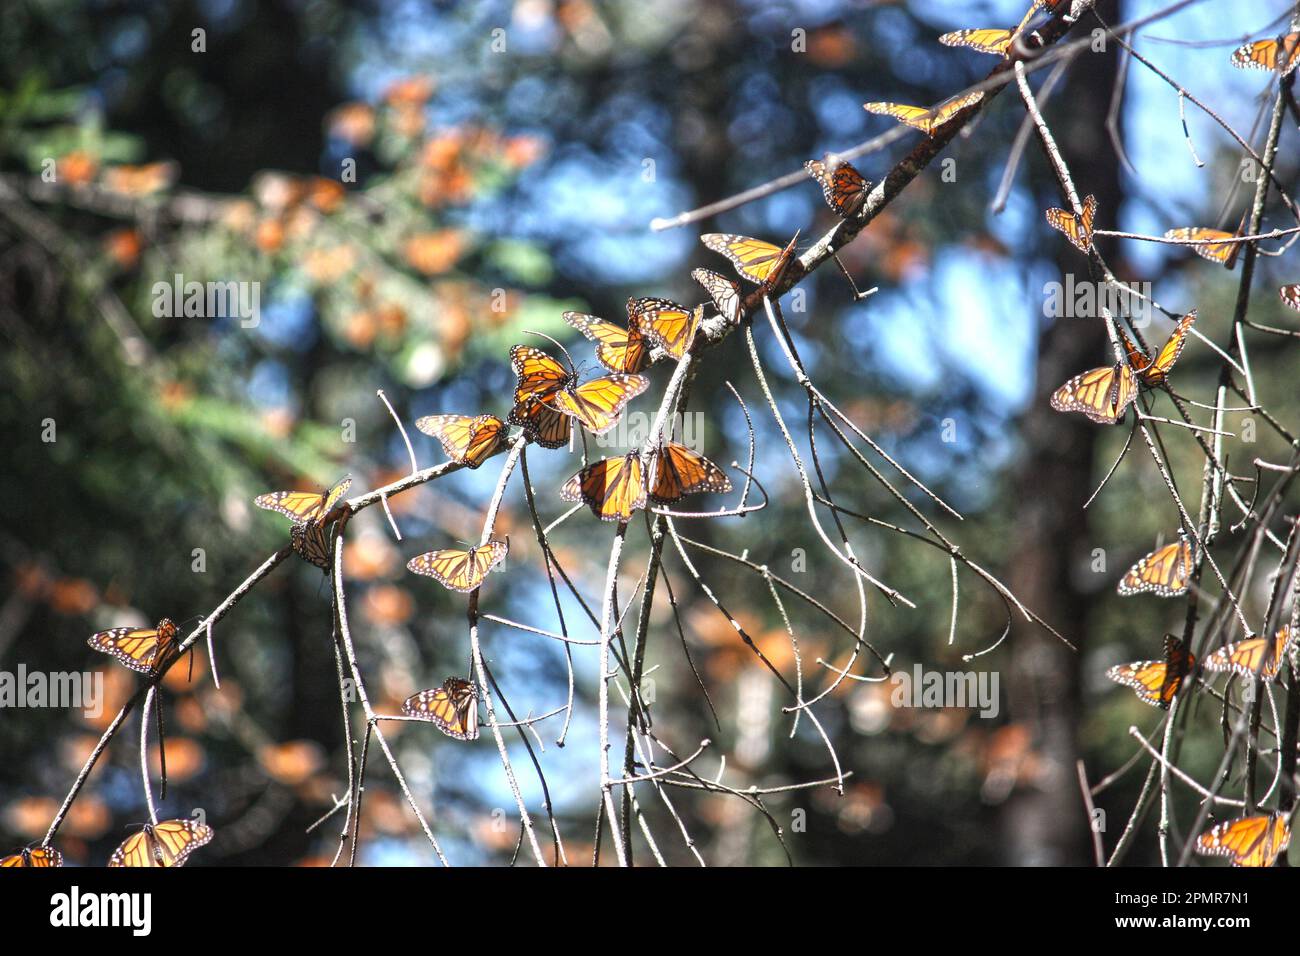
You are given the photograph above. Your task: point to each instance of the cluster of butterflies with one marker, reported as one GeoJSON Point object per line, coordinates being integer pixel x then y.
{"type": "Point", "coordinates": [168, 843]}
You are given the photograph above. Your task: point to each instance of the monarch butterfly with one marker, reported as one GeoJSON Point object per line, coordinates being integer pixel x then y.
{"type": "Point", "coordinates": [41, 856]}
{"type": "Point", "coordinates": [665, 324]}
{"type": "Point", "coordinates": [1102, 394]}
{"type": "Point", "coordinates": [1165, 572]}
{"type": "Point", "coordinates": [1281, 53]}
{"type": "Point", "coordinates": [1157, 682]}
{"type": "Point", "coordinates": [460, 570]}
{"type": "Point", "coordinates": [169, 843]}
{"type": "Point", "coordinates": [540, 377]}
{"type": "Point", "coordinates": [599, 403]}
{"type": "Point", "coordinates": [681, 472]}
{"type": "Point", "coordinates": [759, 262]}
{"type": "Point", "coordinates": [1154, 372]}
{"type": "Point", "coordinates": [140, 180]}
{"type": "Point", "coordinates": [928, 121]}
{"type": "Point", "coordinates": [1248, 657]}
{"type": "Point", "coordinates": [724, 293]}
{"type": "Point", "coordinates": [612, 488]}
{"type": "Point", "coordinates": [304, 506]}
{"type": "Point", "coordinates": [452, 708]}
{"type": "Point", "coordinates": [619, 349]}
{"type": "Point", "coordinates": [139, 648]}
{"type": "Point", "coordinates": [1290, 295]}
{"type": "Point", "coordinates": [844, 188]}
{"type": "Point", "coordinates": [467, 440]}
{"type": "Point", "coordinates": [982, 41]}
{"type": "Point", "coordinates": [1078, 229]}
{"type": "Point", "coordinates": [1224, 253]}
{"type": "Point", "coordinates": [313, 543]}
{"type": "Point", "coordinates": [1250, 841]}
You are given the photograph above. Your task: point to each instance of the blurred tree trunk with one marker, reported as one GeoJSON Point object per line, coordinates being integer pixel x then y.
{"type": "Point", "coordinates": [1044, 820]}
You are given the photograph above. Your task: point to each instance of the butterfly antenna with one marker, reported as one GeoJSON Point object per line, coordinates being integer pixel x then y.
{"type": "Point", "coordinates": [567, 357]}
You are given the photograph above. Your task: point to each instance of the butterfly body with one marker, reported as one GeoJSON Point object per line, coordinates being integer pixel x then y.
{"type": "Point", "coordinates": [460, 570]}
{"type": "Point", "coordinates": [452, 708]}
{"type": "Point", "coordinates": [169, 843]}
{"type": "Point", "coordinates": [142, 649]}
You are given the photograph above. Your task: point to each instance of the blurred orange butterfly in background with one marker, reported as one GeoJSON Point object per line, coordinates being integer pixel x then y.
{"type": "Point", "coordinates": [169, 843]}
{"type": "Point", "coordinates": [1253, 656]}
{"type": "Point", "coordinates": [664, 324]}
{"type": "Point", "coordinates": [1157, 682]}
{"type": "Point", "coordinates": [1102, 394]}
{"type": "Point", "coordinates": [467, 440]}
{"type": "Point", "coordinates": [460, 570]}
{"type": "Point", "coordinates": [619, 349]}
{"type": "Point", "coordinates": [139, 648]}
{"type": "Point", "coordinates": [844, 188]}
{"type": "Point", "coordinates": [452, 708]}
{"type": "Point", "coordinates": [1250, 841]}
{"type": "Point", "coordinates": [612, 488]}
{"type": "Point", "coordinates": [983, 41]}
{"type": "Point", "coordinates": [928, 121]}
{"type": "Point", "coordinates": [1282, 53]}
{"type": "Point", "coordinates": [1153, 373]}
{"type": "Point", "coordinates": [1224, 253]}
{"type": "Point", "coordinates": [41, 856]}
{"type": "Point", "coordinates": [137, 181]}
{"type": "Point", "coordinates": [540, 377]}
{"type": "Point", "coordinates": [758, 261]}
{"type": "Point", "coordinates": [1290, 295]}
{"type": "Point", "coordinates": [724, 293]}
{"type": "Point", "coordinates": [1165, 572]}
{"type": "Point", "coordinates": [1078, 229]}
{"type": "Point", "coordinates": [304, 505]}
{"type": "Point", "coordinates": [679, 471]}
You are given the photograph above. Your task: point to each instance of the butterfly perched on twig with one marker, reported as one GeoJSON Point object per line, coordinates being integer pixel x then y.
{"type": "Point", "coordinates": [928, 121]}
{"type": "Point", "coordinates": [843, 187]}
{"type": "Point", "coordinates": [612, 488]}
{"type": "Point", "coordinates": [724, 293]}
{"type": "Point", "coordinates": [1256, 840]}
{"type": "Point", "coordinates": [466, 439]}
{"type": "Point", "coordinates": [169, 843]}
{"type": "Point", "coordinates": [547, 395]}
{"type": "Point", "coordinates": [664, 324]}
{"type": "Point", "coordinates": [1077, 228]}
{"type": "Point", "coordinates": [39, 857]}
{"type": "Point", "coordinates": [1103, 394]}
{"type": "Point", "coordinates": [1165, 572]}
{"type": "Point", "coordinates": [679, 471]}
{"type": "Point", "coordinates": [1281, 54]}
{"type": "Point", "coordinates": [1157, 682]}
{"type": "Point", "coordinates": [1254, 656]}
{"type": "Point", "coordinates": [452, 708]}
{"type": "Point", "coordinates": [981, 40]}
{"type": "Point", "coordinates": [1222, 252]}
{"type": "Point", "coordinates": [618, 348]}
{"type": "Point", "coordinates": [760, 262]}
{"type": "Point", "coordinates": [1154, 372]}
{"type": "Point", "coordinates": [310, 537]}
{"type": "Point", "coordinates": [457, 569]}
{"type": "Point", "coordinates": [142, 649]}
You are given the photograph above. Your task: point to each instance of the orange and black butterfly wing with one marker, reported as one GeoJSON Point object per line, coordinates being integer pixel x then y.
{"type": "Point", "coordinates": [619, 349]}
{"type": "Point", "coordinates": [613, 488]}
{"type": "Point", "coordinates": [304, 505]}
{"type": "Point", "coordinates": [1102, 394]}
{"type": "Point", "coordinates": [760, 262]}
{"type": "Point", "coordinates": [1078, 229]}
{"type": "Point", "coordinates": [724, 293]}
{"type": "Point", "coordinates": [1169, 352]}
{"type": "Point", "coordinates": [459, 570]}
{"type": "Point", "coordinates": [1289, 294]}
{"type": "Point", "coordinates": [1282, 53]}
{"type": "Point", "coordinates": [1220, 252]}
{"type": "Point", "coordinates": [599, 403]}
{"type": "Point", "coordinates": [982, 41]}
{"type": "Point", "coordinates": [1179, 662]}
{"type": "Point", "coordinates": [1165, 572]}
{"type": "Point", "coordinates": [1137, 358]}
{"type": "Point", "coordinates": [665, 324]}
{"type": "Point", "coordinates": [139, 648]}
{"type": "Point", "coordinates": [844, 188]}
{"type": "Point", "coordinates": [313, 543]}
{"type": "Point", "coordinates": [468, 440]}
{"type": "Point", "coordinates": [1248, 658]}
{"type": "Point", "coordinates": [1147, 678]}
{"type": "Point", "coordinates": [452, 708]}
{"type": "Point", "coordinates": [679, 472]}
{"type": "Point", "coordinates": [1254, 841]}
{"type": "Point", "coordinates": [539, 375]}
{"type": "Point", "coordinates": [167, 844]}
{"type": "Point", "coordinates": [39, 857]}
